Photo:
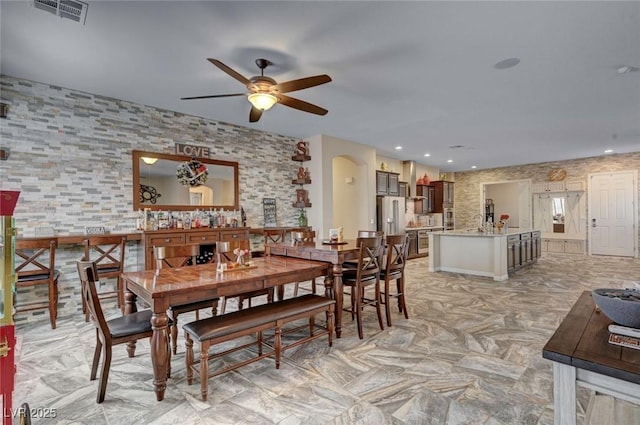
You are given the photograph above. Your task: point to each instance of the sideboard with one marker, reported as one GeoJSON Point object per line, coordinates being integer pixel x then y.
{"type": "Point", "coordinates": [202, 236]}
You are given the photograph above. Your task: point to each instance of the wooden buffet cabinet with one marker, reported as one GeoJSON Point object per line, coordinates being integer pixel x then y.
{"type": "Point", "coordinates": [203, 236]}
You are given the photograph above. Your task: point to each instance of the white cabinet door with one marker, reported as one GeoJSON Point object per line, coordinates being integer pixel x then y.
{"type": "Point", "coordinates": [555, 245]}
{"type": "Point", "coordinates": [574, 246]}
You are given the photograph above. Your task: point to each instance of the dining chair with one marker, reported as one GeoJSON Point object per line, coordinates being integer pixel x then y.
{"type": "Point", "coordinates": [304, 237]}
{"type": "Point", "coordinates": [174, 256]}
{"type": "Point", "coordinates": [366, 274]}
{"type": "Point", "coordinates": [397, 251]}
{"type": "Point", "coordinates": [225, 254]}
{"type": "Point", "coordinates": [35, 265]}
{"type": "Point", "coordinates": [352, 264]}
{"type": "Point", "coordinates": [108, 252]}
{"type": "Point", "coordinates": [125, 329]}
{"type": "Point", "coordinates": [269, 236]}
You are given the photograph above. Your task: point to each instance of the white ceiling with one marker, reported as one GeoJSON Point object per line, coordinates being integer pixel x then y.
{"type": "Point", "coordinates": [414, 74]}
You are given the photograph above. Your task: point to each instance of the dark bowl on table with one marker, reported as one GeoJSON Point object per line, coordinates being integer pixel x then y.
{"type": "Point", "coordinates": [620, 305]}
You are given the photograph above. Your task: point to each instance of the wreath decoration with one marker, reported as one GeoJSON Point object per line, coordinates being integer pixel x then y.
{"type": "Point", "coordinates": [192, 173]}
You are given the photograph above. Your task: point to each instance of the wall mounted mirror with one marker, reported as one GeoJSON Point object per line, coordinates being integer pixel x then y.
{"type": "Point", "coordinates": [156, 184]}
{"type": "Point", "coordinates": [557, 206]}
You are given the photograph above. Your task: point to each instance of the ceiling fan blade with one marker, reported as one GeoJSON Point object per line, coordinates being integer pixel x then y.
{"type": "Point", "coordinates": [302, 83]}
{"type": "Point", "coordinates": [254, 114]}
{"type": "Point", "coordinates": [244, 80]}
{"type": "Point", "coordinates": [213, 95]}
{"type": "Point", "coordinates": [301, 105]}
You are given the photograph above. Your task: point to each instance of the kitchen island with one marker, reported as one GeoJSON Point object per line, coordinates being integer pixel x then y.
{"type": "Point", "coordinates": [477, 253]}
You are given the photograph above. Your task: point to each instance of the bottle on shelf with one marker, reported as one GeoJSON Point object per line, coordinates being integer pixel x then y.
{"type": "Point", "coordinates": [302, 219]}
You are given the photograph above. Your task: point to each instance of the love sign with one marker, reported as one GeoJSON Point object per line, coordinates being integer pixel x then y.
{"type": "Point", "coordinates": [188, 150]}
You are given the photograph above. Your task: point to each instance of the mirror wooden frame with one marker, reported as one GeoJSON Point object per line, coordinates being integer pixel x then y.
{"type": "Point", "coordinates": [137, 157]}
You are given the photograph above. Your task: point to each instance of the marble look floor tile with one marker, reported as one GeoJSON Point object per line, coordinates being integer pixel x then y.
{"type": "Point", "coordinates": [470, 353]}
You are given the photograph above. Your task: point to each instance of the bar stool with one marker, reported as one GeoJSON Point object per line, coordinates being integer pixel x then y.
{"type": "Point", "coordinates": [107, 251]}
{"type": "Point", "coordinates": [37, 267]}
{"type": "Point", "coordinates": [397, 252]}
{"type": "Point", "coordinates": [366, 274]}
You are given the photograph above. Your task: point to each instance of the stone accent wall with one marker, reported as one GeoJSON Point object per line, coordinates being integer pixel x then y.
{"type": "Point", "coordinates": [70, 155]}
{"type": "Point", "coordinates": [467, 184]}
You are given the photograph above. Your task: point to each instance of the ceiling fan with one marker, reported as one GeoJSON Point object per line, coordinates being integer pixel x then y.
{"type": "Point", "coordinates": [264, 91]}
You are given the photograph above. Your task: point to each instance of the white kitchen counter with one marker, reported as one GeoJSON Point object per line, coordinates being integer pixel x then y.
{"type": "Point", "coordinates": [475, 233]}
{"type": "Point", "coordinates": [471, 252]}
{"type": "Point", "coordinates": [433, 228]}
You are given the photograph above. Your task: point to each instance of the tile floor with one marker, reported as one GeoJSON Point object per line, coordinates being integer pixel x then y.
{"type": "Point", "coordinates": [469, 354]}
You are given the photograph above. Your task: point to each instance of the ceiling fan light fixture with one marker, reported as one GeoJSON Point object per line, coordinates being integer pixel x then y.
{"type": "Point", "coordinates": [262, 101]}
{"type": "Point", "coordinates": [148, 160]}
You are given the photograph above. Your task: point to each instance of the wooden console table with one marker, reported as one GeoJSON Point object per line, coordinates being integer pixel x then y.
{"type": "Point", "coordinates": [581, 354]}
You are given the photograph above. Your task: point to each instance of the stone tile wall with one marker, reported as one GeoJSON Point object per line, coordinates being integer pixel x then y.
{"type": "Point", "coordinates": [467, 184]}
{"type": "Point", "coordinates": [70, 155]}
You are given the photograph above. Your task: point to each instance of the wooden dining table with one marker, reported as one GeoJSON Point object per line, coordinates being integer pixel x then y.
{"type": "Point", "coordinates": [334, 254]}
{"type": "Point", "coordinates": [165, 287]}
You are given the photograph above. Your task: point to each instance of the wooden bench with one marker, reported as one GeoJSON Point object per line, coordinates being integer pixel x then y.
{"type": "Point", "coordinates": [219, 329]}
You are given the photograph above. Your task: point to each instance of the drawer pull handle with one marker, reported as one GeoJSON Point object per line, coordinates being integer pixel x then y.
{"type": "Point", "coordinates": [234, 236]}
{"type": "Point", "coordinates": [204, 238]}
{"type": "Point", "coordinates": [167, 239]}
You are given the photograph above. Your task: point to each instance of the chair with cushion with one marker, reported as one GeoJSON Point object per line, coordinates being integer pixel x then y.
{"type": "Point", "coordinates": [351, 264]}
{"type": "Point", "coordinates": [180, 256]}
{"type": "Point", "coordinates": [225, 254]}
{"type": "Point", "coordinates": [126, 329]}
{"type": "Point", "coordinates": [107, 251]}
{"type": "Point", "coordinates": [304, 237]}
{"type": "Point", "coordinates": [397, 252]}
{"type": "Point", "coordinates": [365, 275]}
{"type": "Point", "coordinates": [35, 265]}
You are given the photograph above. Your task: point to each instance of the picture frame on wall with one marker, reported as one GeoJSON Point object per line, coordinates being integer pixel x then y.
{"type": "Point", "coordinates": [269, 209]}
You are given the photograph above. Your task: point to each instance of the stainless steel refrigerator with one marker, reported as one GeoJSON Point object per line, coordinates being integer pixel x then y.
{"type": "Point", "coordinates": [390, 214]}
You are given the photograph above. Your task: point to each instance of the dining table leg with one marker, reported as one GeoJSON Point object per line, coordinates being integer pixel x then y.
{"type": "Point", "coordinates": [159, 352]}
{"type": "Point", "coordinates": [333, 290]}
{"type": "Point", "coordinates": [159, 343]}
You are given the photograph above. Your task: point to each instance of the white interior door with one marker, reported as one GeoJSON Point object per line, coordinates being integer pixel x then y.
{"type": "Point", "coordinates": [612, 213]}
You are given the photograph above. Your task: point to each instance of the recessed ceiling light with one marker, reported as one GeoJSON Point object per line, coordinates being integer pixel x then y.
{"type": "Point", "coordinates": [608, 151]}
{"type": "Point", "coordinates": [507, 63]}
{"type": "Point", "coordinates": [427, 154]}
{"type": "Point", "coordinates": [474, 166]}
{"type": "Point", "coordinates": [449, 160]}
{"type": "Point", "coordinates": [398, 148]}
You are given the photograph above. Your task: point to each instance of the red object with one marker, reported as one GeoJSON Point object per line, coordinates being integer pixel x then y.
{"type": "Point", "coordinates": [504, 217]}
{"type": "Point", "coordinates": [7, 372]}
{"type": "Point", "coordinates": [8, 201]}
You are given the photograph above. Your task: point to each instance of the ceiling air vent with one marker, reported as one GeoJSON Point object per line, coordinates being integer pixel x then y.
{"type": "Point", "coordinates": [70, 9]}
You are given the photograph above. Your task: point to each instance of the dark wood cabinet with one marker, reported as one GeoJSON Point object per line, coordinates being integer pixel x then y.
{"type": "Point", "coordinates": [387, 183]}
{"type": "Point", "coordinates": [424, 204]}
{"type": "Point", "coordinates": [513, 253]}
{"type": "Point", "coordinates": [443, 195]}
{"type": "Point", "coordinates": [203, 236]}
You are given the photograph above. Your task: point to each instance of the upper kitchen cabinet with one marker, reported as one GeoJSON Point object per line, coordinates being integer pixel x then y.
{"type": "Point", "coordinates": [443, 195]}
{"type": "Point", "coordinates": [424, 201]}
{"type": "Point", "coordinates": [557, 186]}
{"type": "Point", "coordinates": [403, 189]}
{"type": "Point", "coordinates": [387, 183]}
